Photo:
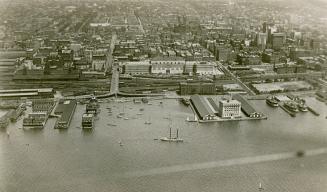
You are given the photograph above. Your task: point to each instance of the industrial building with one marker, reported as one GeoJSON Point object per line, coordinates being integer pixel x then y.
{"type": "Point", "coordinates": [247, 107]}
{"type": "Point", "coordinates": [65, 109]}
{"type": "Point", "coordinates": [202, 108]}
{"type": "Point", "coordinates": [26, 93]}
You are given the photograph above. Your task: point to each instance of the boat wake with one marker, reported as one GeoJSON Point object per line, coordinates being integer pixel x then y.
{"type": "Point", "coordinates": [223, 163]}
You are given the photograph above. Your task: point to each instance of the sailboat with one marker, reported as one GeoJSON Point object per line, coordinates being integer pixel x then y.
{"type": "Point", "coordinates": [260, 187]}
{"type": "Point", "coordinates": [148, 122]}
{"type": "Point", "coordinates": [170, 138]}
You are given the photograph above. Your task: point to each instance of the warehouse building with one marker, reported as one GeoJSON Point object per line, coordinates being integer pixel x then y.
{"type": "Point", "coordinates": [202, 107]}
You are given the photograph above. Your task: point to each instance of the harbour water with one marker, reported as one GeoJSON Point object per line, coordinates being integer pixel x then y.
{"type": "Point", "coordinates": [222, 156]}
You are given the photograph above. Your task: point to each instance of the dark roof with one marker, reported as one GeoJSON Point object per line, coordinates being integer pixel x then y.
{"type": "Point", "coordinates": [213, 104]}
{"type": "Point", "coordinates": [246, 106]}
{"type": "Point", "coordinates": [201, 106]}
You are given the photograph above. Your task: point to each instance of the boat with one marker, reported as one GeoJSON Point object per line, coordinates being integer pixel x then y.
{"type": "Point", "coordinates": [119, 116]}
{"type": "Point", "coordinates": [145, 100]}
{"type": "Point", "coordinates": [185, 101]}
{"type": "Point", "coordinates": [172, 139]}
{"type": "Point", "coordinates": [93, 106]}
{"type": "Point", "coordinates": [148, 122]}
{"type": "Point", "coordinates": [88, 121]}
{"type": "Point", "coordinates": [303, 107]}
{"type": "Point", "coordinates": [109, 124]}
{"type": "Point", "coordinates": [271, 101]}
{"type": "Point", "coordinates": [190, 120]}
{"type": "Point", "coordinates": [126, 118]}
{"type": "Point", "coordinates": [139, 113]}
{"type": "Point", "coordinates": [260, 187]}
{"type": "Point", "coordinates": [291, 106]}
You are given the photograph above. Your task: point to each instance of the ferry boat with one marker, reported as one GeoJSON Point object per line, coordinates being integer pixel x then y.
{"type": "Point", "coordinates": [35, 120]}
{"type": "Point", "coordinates": [303, 107]}
{"type": "Point", "coordinates": [88, 121]}
{"type": "Point", "coordinates": [272, 101]}
{"type": "Point", "coordinates": [185, 101]}
{"type": "Point", "coordinates": [291, 106]}
{"type": "Point", "coordinates": [93, 106]}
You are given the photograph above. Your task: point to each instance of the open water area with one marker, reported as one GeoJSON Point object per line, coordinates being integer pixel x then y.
{"type": "Point", "coordinates": [222, 156]}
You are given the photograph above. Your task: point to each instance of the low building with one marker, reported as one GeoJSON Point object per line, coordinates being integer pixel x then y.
{"type": "Point", "coordinates": [201, 106]}
{"type": "Point", "coordinates": [137, 67]}
{"type": "Point", "coordinates": [229, 109]}
{"type": "Point", "coordinates": [167, 65]}
{"type": "Point", "coordinates": [247, 107]}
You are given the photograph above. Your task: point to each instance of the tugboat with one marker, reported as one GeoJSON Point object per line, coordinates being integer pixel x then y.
{"type": "Point", "coordinates": [271, 101]}
{"type": "Point", "coordinates": [185, 101]}
{"type": "Point", "coordinates": [291, 106]}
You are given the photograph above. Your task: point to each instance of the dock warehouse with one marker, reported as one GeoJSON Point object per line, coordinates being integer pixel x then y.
{"type": "Point", "coordinates": [247, 107]}
{"type": "Point", "coordinates": [202, 108]}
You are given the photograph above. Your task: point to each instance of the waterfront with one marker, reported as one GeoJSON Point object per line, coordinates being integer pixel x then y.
{"type": "Point", "coordinates": [77, 160]}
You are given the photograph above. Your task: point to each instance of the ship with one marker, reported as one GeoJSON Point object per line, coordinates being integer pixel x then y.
{"type": "Point", "coordinates": [291, 106]}
{"type": "Point", "coordinates": [88, 121]}
{"type": "Point", "coordinates": [271, 101]}
{"type": "Point", "coordinates": [303, 107]}
{"type": "Point", "coordinates": [172, 139]}
{"type": "Point", "coordinates": [185, 101]}
{"type": "Point", "coordinates": [93, 106]}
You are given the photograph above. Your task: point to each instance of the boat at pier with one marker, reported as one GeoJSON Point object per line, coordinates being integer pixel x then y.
{"type": "Point", "coordinates": [185, 101]}
{"type": "Point", "coordinates": [272, 101]}
{"type": "Point", "coordinates": [291, 106]}
{"type": "Point", "coordinates": [88, 121]}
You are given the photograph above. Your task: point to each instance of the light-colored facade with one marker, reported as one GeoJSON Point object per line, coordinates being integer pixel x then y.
{"type": "Point", "coordinates": [229, 109]}
{"type": "Point", "coordinates": [168, 65]}
{"type": "Point", "coordinates": [135, 68]}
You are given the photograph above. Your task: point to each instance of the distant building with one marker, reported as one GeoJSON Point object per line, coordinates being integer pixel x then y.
{"type": "Point", "coordinates": [277, 40]}
{"type": "Point", "coordinates": [137, 67]}
{"type": "Point", "coordinates": [229, 109]}
{"type": "Point", "coordinates": [167, 65]}
{"type": "Point", "coordinates": [262, 40]}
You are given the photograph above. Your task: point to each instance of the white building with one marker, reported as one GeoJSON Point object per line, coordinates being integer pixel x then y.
{"type": "Point", "coordinates": [202, 68]}
{"type": "Point", "coordinates": [167, 65]}
{"type": "Point", "coordinates": [137, 67]}
{"type": "Point", "coordinates": [229, 109]}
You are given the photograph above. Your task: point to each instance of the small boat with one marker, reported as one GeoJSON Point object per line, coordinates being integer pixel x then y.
{"type": "Point", "coordinates": [303, 107]}
{"type": "Point", "coordinates": [121, 143]}
{"type": "Point", "coordinates": [119, 116]}
{"type": "Point", "coordinates": [126, 118]}
{"type": "Point", "coordinates": [147, 123]}
{"type": "Point", "coordinates": [260, 187]}
{"type": "Point", "coordinates": [271, 101]}
{"type": "Point", "coordinates": [185, 101]}
{"type": "Point", "coordinates": [109, 124]}
{"type": "Point", "coordinates": [291, 106]}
